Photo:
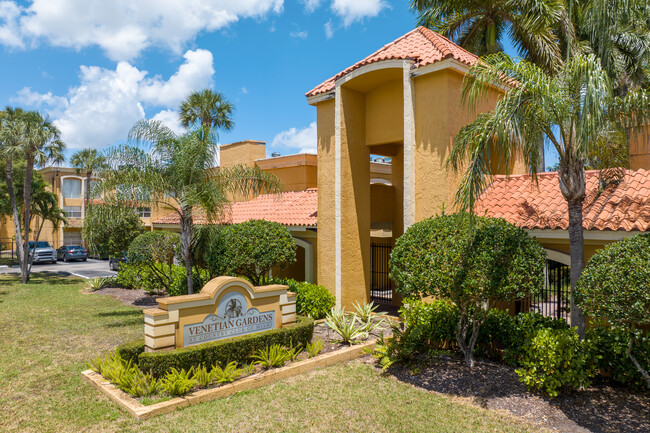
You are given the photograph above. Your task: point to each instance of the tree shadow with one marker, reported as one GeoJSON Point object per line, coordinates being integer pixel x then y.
{"type": "Point", "coordinates": [121, 313]}
{"type": "Point", "coordinates": [493, 385]}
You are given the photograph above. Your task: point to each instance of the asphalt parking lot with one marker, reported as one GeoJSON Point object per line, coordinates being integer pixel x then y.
{"type": "Point", "coordinates": [89, 269]}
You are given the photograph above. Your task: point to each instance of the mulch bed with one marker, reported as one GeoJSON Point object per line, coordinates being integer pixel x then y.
{"type": "Point", "coordinates": [137, 298]}
{"type": "Point", "coordinates": [491, 385]}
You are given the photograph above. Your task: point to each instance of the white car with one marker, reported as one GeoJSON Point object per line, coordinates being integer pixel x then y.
{"type": "Point", "coordinates": [42, 252]}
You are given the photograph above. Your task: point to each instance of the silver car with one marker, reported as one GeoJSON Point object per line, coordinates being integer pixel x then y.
{"type": "Point", "coordinates": [41, 252]}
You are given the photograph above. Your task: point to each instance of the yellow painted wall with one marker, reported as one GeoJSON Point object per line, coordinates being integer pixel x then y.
{"type": "Point", "coordinates": [326, 137]}
{"type": "Point", "coordinates": [242, 152]}
{"type": "Point", "coordinates": [385, 114]}
{"type": "Point", "coordinates": [297, 172]}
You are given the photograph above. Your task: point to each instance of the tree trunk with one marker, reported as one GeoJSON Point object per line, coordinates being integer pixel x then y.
{"type": "Point", "coordinates": [87, 191]}
{"type": "Point", "coordinates": [577, 253]}
{"type": "Point", "coordinates": [27, 218]}
{"type": "Point", "coordinates": [186, 245]}
{"type": "Point", "coordinates": [638, 366]}
{"type": "Point", "coordinates": [36, 238]}
{"type": "Point", "coordinates": [491, 37]}
{"type": "Point", "coordinates": [9, 170]}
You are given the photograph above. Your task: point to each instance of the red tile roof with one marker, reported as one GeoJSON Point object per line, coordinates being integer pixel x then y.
{"type": "Point", "coordinates": [292, 208]}
{"type": "Point", "coordinates": [625, 206]}
{"type": "Point", "coordinates": [422, 45]}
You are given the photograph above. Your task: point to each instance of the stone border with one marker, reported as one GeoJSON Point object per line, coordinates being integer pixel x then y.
{"type": "Point", "coordinates": [139, 411]}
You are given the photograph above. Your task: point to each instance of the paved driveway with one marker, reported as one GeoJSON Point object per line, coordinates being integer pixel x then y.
{"type": "Point", "coordinates": [90, 269]}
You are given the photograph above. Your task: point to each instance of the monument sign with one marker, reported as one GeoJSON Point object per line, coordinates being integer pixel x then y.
{"type": "Point", "coordinates": [226, 307]}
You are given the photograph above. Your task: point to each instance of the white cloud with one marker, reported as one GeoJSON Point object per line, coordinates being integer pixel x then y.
{"type": "Point", "coordinates": [9, 24]}
{"type": "Point", "coordinates": [356, 10]}
{"type": "Point", "coordinates": [303, 140]}
{"type": "Point", "coordinates": [329, 31]}
{"type": "Point", "coordinates": [122, 28]}
{"type": "Point", "coordinates": [302, 34]}
{"type": "Point", "coordinates": [195, 74]}
{"type": "Point", "coordinates": [106, 103]}
{"type": "Point", "coordinates": [170, 119]}
{"type": "Point", "coordinates": [311, 5]}
{"type": "Point", "coordinates": [244, 90]}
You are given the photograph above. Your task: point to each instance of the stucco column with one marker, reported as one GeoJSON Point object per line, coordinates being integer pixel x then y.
{"type": "Point", "coordinates": [409, 148]}
{"type": "Point", "coordinates": [352, 202]}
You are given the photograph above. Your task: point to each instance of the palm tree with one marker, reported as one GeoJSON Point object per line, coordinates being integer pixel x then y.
{"type": "Point", "coordinates": [45, 204]}
{"type": "Point", "coordinates": [479, 25]}
{"type": "Point", "coordinates": [208, 110]}
{"type": "Point", "coordinates": [90, 161]}
{"type": "Point", "coordinates": [34, 138]}
{"type": "Point", "coordinates": [174, 175]}
{"type": "Point", "coordinates": [575, 111]}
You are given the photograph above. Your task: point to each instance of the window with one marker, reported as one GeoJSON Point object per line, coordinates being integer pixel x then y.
{"type": "Point", "coordinates": [71, 188]}
{"type": "Point", "coordinates": [73, 211]}
{"type": "Point", "coordinates": [144, 212]}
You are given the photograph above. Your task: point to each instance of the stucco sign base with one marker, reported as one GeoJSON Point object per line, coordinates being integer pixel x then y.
{"type": "Point", "coordinates": [137, 410]}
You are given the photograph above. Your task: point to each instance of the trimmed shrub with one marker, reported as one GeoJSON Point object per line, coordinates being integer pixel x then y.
{"type": "Point", "coordinates": [312, 300]}
{"type": "Point", "coordinates": [239, 349]}
{"type": "Point", "coordinates": [615, 285]}
{"type": "Point", "coordinates": [609, 346]}
{"type": "Point", "coordinates": [154, 247]}
{"type": "Point", "coordinates": [158, 277]}
{"type": "Point", "coordinates": [448, 257]}
{"type": "Point", "coordinates": [256, 246]}
{"type": "Point", "coordinates": [556, 360]}
{"type": "Point", "coordinates": [130, 351]}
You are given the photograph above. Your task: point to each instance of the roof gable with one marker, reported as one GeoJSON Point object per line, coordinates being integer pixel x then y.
{"type": "Point", "coordinates": [421, 45]}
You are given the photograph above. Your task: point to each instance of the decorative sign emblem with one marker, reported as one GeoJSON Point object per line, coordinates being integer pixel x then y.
{"type": "Point", "coordinates": [233, 318]}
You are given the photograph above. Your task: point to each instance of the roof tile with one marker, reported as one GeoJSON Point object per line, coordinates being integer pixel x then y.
{"type": "Point", "coordinates": [623, 206]}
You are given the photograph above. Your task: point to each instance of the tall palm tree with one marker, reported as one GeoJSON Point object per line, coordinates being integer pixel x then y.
{"type": "Point", "coordinates": [34, 138]}
{"type": "Point", "coordinates": [208, 110]}
{"type": "Point", "coordinates": [174, 175]}
{"type": "Point", "coordinates": [575, 111]}
{"type": "Point", "coordinates": [89, 161]}
{"type": "Point", "coordinates": [479, 25]}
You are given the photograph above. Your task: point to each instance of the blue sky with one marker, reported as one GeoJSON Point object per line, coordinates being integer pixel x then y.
{"type": "Point", "coordinates": [97, 67]}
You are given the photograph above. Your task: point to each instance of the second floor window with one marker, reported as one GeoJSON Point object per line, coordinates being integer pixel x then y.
{"type": "Point", "coordinates": [71, 188]}
{"type": "Point", "coordinates": [73, 211]}
{"type": "Point", "coordinates": [144, 212]}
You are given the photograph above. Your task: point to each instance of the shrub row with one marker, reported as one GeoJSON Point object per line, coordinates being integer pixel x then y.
{"type": "Point", "coordinates": [158, 277]}
{"type": "Point", "coordinates": [239, 349]}
{"type": "Point", "coordinates": [551, 355]}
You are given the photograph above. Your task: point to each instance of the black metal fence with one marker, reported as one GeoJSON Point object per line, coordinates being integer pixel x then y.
{"type": "Point", "coordinates": [7, 250]}
{"type": "Point", "coordinates": [554, 300]}
{"type": "Point", "coordinates": [381, 287]}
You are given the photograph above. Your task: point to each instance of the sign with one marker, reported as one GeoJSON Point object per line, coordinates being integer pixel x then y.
{"type": "Point", "coordinates": [226, 307]}
{"type": "Point", "coordinates": [233, 318]}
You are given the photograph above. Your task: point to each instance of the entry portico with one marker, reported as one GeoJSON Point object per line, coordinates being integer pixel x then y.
{"type": "Point", "coordinates": [401, 102]}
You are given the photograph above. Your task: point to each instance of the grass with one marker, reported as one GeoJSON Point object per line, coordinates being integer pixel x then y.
{"type": "Point", "coordinates": [48, 330]}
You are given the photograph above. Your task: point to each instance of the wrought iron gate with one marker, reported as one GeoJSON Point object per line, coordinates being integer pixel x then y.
{"type": "Point", "coordinates": [554, 300]}
{"type": "Point", "coordinates": [381, 287]}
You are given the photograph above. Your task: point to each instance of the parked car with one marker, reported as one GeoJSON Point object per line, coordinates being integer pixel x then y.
{"type": "Point", "coordinates": [41, 252]}
{"type": "Point", "coordinates": [114, 262]}
{"type": "Point", "coordinates": [72, 252]}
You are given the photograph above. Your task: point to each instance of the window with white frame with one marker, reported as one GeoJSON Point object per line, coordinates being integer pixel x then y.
{"type": "Point", "coordinates": [72, 211]}
{"type": "Point", "coordinates": [71, 188]}
{"type": "Point", "coordinates": [144, 212]}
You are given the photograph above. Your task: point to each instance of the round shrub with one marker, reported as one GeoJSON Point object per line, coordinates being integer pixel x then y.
{"type": "Point", "coordinates": [254, 247]}
{"type": "Point", "coordinates": [154, 247]}
{"type": "Point", "coordinates": [108, 229]}
{"type": "Point", "coordinates": [313, 300]}
{"type": "Point", "coordinates": [469, 261]}
{"type": "Point", "coordinates": [615, 285]}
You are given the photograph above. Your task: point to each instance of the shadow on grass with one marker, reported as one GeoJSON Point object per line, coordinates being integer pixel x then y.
{"type": "Point", "coordinates": [123, 323]}
{"type": "Point", "coordinates": [493, 385]}
{"type": "Point", "coordinates": [126, 318]}
{"type": "Point", "coordinates": [121, 313]}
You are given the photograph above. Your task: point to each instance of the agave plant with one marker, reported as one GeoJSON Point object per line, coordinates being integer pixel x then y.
{"type": "Point", "coordinates": [367, 315]}
{"type": "Point", "coordinates": [346, 326]}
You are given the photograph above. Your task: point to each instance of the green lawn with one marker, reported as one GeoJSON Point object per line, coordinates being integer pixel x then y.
{"type": "Point", "coordinates": [48, 329]}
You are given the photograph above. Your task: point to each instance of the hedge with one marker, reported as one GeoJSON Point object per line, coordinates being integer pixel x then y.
{"type": "Point", "coordinates": [131, 350]}
{"type": "Point", "coordinates": [239, 349]}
